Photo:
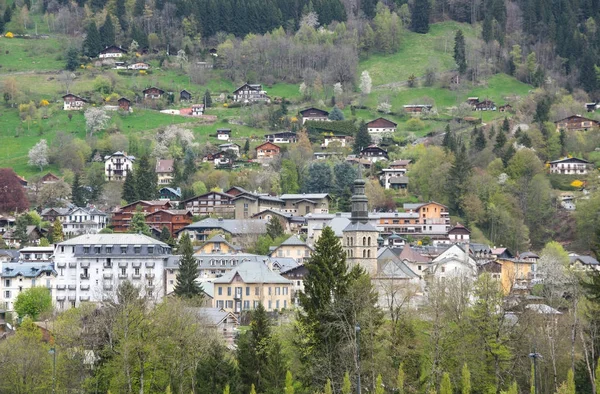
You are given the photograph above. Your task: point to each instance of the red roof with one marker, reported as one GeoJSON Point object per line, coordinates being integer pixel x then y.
{"type": "Point", "coordinates": [381, 123]}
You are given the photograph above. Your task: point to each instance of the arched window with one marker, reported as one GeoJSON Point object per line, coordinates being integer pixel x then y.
{"type": "Point", "coordinates": [364, 241]}
{"type": "Point", "coordinates": [364, 253]}
{"type": "Point", "coordinates": [369, 241]}
{"type": "Point", "coordinates": [368, 254]}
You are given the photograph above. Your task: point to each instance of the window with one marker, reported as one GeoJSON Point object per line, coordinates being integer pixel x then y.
{"type": "Point", "coordinates": [86, 250]}
{"type": "Point", "coordinates": [219, 304]}
{"type": "Point", "coordinates": [20, 289]}
{"type": "Point", "coordinates": [246, 305]}
{"type": "Point", "coordinates": [278, 290]}
{"type": "Point", "coordinates": [364, 241]}
{"type": "Point", "coordinates": [150, 249]}
{"type": "Point", "coordinates": [124, 271]}
{"type": "Point", "coordinates": [277, 304]}
{"type": "Point", "coordinates": [7, 283]}
{"type": "Point", "coordinates": [284, 304]}
{"type": "Point", "coordinates": [247, 290]}
{"type": "Point", "coordinates": [269, 291]}
{"type": "Point", "coordinates": [137, 249]}
{"type": "Point", "coordinates": [136, 271]}
{"type": "Point", "coordinates": [419, 267]}
{"type": "Point", "coordinates": [229, 291]}
{"type": "Point", "coordinates": [443, 269]}
{"type": "Point", "coordinates": [123, 249]}
{"type": "Point", "coordinates": [97, 249]}
{"type": "Point", "coordinates": [255, 304]}
{"type": "Point", "coordinates": [108, 249]}
{"type": "Point", "coordinates": [61, 271]}
{"type": "Point", "coordinates": [38, 256]}
{"type": "Point", "coordinates": [270, 305]}
{"type": "Point", "coordinates": [285, 291]}
{"type": "Point", "coordinates": [369, 241]}
{"type": "Point", "coordinates": [229, 304]}
{"type": "Point", "coordinates": [72, 304]}
{"type": "Point", "coordinates": [7, 294]}
{"type": "Point", "coordinates": [256, 291]}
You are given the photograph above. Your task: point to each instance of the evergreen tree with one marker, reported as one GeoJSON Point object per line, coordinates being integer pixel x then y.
{"type": "Point", "coordinates": [487, 32]}
{"type": "Point", "coordinates": [20, 232]}
{"type": "Point", "coordinates": [288, 177]}
{"type": "Point", "coordinates": [178, 179]}
{"type": "Point", "coordinates": [129, 193]}
{"type": "Point", "coordinates": [465, 380]}
{"type": "Point", "coordinates": [138, 8]}
{"type": "Point", "coordinates": [121, 14]}
{"type": "Point", "coordinates": [446, 385]}
{"type": "Point", "coordinates": [7, 14]}
{"type": "Point", "coordinates": [274, 227]}
{"type": "Point", "coordinates": [449, 142]}
{"type": "Point", "coordinates": [72, 59]}
{"type": "Point", "coordinates": [57, 231]}
{"type": "Point", "coordinates": [186, 285]}
{"type": "Point", "coordinates": [289, 383]}
{"type": "Point", "coordinates": [216, 371]}
{"type": "Point", "coordinates": [458, 177]}
{"type": "Point", "coordinates": [107, 32]}
{"type": "Point", "coordinates": [362, 139]}
{"type": "Point", "coordinates": [525, 140]}
{"type": "Point", "coordinates": [508, 154]}
{"type": "Point", "coordinates": [420, 16]}
{"type": "Point", "coordinates": [189, 165]}
{"type": "Point", "coordinates": [247, 146]}
{"type": "Point", "coordinates": [500, 142]}
{"type": "Point", "coordinates": [77, 192]}
{"type": "Point", "coordinates": [505, 125]}
{"type": "Point", "coordinates": [346, 384]}
{"type": "Point", "coordinates": [165, 235]}
{"type": "Point", "coordinates": [207, 99]}
{"type": "Point", "coordinates": [138, 223]}
{"type": "Point", "coordinates": [146, 180]}
{"type": "Point", "coordinates": [480, 140]}
{"type": "Point", "coordinates": [336, 114]}
{"type": "Point", "coordinates": [492, 133]}
{"type": "Point", "coordinates": [460, 53]}
{"type": "Point", "coordinates": [92, 45]}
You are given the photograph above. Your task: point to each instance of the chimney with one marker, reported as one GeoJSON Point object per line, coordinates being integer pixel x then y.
{"type": "Point", "coordinates": [220, 219]}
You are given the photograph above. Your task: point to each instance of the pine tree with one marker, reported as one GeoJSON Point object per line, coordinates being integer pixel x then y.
{"type": "Point", "coordinates": [247, 146]}
{"type": "Point", "coordinates": [460, 53]}
{"type": "Point", "coordinates": [189, 165]}
{"type": "Point", "coordinates": [20, 232]}
{"type": "Point", "coordinates": [449, 142]}
{"type": "Point", "coordinates": [328, 389]}
{"type": "Point", "coordinates": [289, 383]}
{"type": "Point", "coordinates": [346, 384]}
{"type": "Point", "coordinates": [362, 139]}
{"type": "Point", "coordinates": [480, 141]}
{"type": "Point", "coordinates": [138, 223]}
{"type": "Point", "coordinates": [274, 227]}
{"type": "Point", "coordinates": [57, 231]}
{"type": "Point", "coordinates": [336, 114]}
{"type": "Point", "coordinates": [487, 32]}
{"type": "Point", "coordinates": [77, 192]}
{"type": "Point", "coordinates": [7, 14]}
{"type": "Point", "coordinates": [165, 235]}
{"type": "Point", "coordinates": [508, 154]}
{"type": "Point", "coordinates": [92, 45]}
{"type": "Point", "coordinates": [400, 379]}
{"type": "Point", "coordinates": [446, 385]}
{"type": "Point", "coordinates": [525, 140]}
{"type": "Point", "coordinates": [107, 32]}
{"type": "Point", "coordinates": [465, 380]}
{"type": "Point", "coordinates": [129, 193]}
{"type": "Point", "coordinates": [492, 133]}
{"type": "Point", "coordinates": [420, 16]}
{"type": "Point", "coordinates": [379, 388]}
{"type": "Point", "coordinates": [72, 59]}
{"type": "Point", "coordinates": [505, 125]}
{"type": "Point", "coordinates": [186, 285]}
{"type": "Point", "coordinates": [146, 180]}
{"type": "Point", "coordinates": [207, 99]}
{"type": "Point", "coordinates": [121, 14]}
{"type": "Point", "coordinates": [500, 142]}
{"type": "Point", "coordinates": [457, 181]}
{"type": "Point", "coordinates": [138, 8]}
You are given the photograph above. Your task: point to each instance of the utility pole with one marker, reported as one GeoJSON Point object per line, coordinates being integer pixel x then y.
{"type": "Point", "coordinates": [535, 356]}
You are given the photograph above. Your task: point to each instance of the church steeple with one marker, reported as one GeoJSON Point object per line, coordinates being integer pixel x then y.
{"type": "Point", "coordinates": [360, 210]}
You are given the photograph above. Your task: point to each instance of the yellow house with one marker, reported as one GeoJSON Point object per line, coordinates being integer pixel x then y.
{"type": "Point", "coordinates": [294, 248]}
{"type": "Point", "coordinates": [515, 272]}
{"type": "Point", "coordinates": [251, 283]}
{"type": "Point", "coordinates": [217, 244]}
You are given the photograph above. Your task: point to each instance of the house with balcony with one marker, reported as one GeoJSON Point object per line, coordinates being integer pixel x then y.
{"type": "Point", "coordinates": [223, 134]}
{"type": "Point", "coordinates": [121, 217]}
{"type": "Point", "coordinates": [381, 125]}
{"type": "Point", "coordinates": [18, 276]}
{"type": "Point", "coordinates": [569, 166]}
{"type": "Point", "coordinates": [73, 102]}
{"type": "Point", "coordinates": [164, 171]}
{"type": "Point", "coordinates": [89, 268]}
{"type": "Point", "coordinates": [243, 232]}
{"type": "Point", "coordinates": [266, 152]}
{"type": "Point", "coordinates": [373, 153]}
{"type": "Point", "coordinates": [284, 137]}
{"type": "Point", "coordinates": [249, 204]}
{"type": "Point", "coordinates": [302, 204]}
{"type": "Point", "coordinates": [294, 248]}
{"type": "Point", "coordinates": [250, 93]}
{"type": "Point", "coordinates": [173, 220]}
{"type": "Point", "coordinates": [112, 51]}
{"type": "Point", "coordinates": [576, 123]}
{"type": "Point", "coordinates": [338, 140]}
{"type": "Point", "coordinates": [389, 178]}
{"type": "Point", "coordinates": [314, 114]}
{"type": "Point", "coordinates": [291, 223]}
{"type": "Point", "coordinates": [250, 284]}
{"type": "Point", "coordinates": [77, 220]}
{"type": "Point", "coordinates": [211, 203]}
{"type": "Point", "coordinates": [117, 166]}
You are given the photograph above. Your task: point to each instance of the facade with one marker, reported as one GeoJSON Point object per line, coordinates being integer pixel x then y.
{"type": "Point", "coordinates": [285, 137]}
{"type": "Point", "coordinates": [417, 109]}
{"type": "Point", "coordinates": [72, 102]}
{"type": "Point", "coordinates": [164, 171]}
{"type": "Point", "coordinates": [360, 237]}
{"type": "Point", "coordinates": [250, 93]}
{"type": "Point", "coordinates": [434, 218]}
{"type": "Point", "coordinates": [381, 125]}
{"type": "Point", "coordinates": [121, 218]}
{"type": "Point", "coordinates": [223, 134]}
{"type": "Point", "coordinates": [77, 220]}
{"type": "Point", "coordinates": [112, 51]}
{"type": "Point", "coordinates": [400, 164]}
{"type": "Point", "coordinates": [90, 267]}
{"type": "Point", "coordinates": [453, 262]}
{"type": "Point", "coordinates": [117, 166]}
{"type": "Point", "coordinates": [575, 123]}
{"type": "Point", "coordinates": [342, 140]}
{"type": "Point", "coordinates": [217, 244]}
{"type": "Point", "coordinates": [387, 174]}
{"type": "Point", "coordinates": [459, 234]}
{"type": "Point", "coordinates": [485, 105]}
{"type": "Point", "coordinates": [296, 275]}
{"type": "Point", "coordinates": [197, 109]}
{"type": "Point", "coordinates": [302, 204]}
{"type": "Point", "coordinates": [314, 114]}
{"type": "Point", "coordinates": [266, 151]}
{"type": "Point", "coordinates": [153, 93]}
{"type": "Point", "coordinates": [294, 248]}
{"type": "Point", "coordinates": [173, 219]}
{"type": "Point", "coordinates": [290, 223]}
{"type": "Point", "coordinates": [139, 66]}
{"type": "Point", "coordinates": [169, 193]}
{"type": "Point", "coordinates": [373, 153]}
{"type": "Point", "coordinates": [231, 147]}
{"type": "Point", "coordinates": [124, 104]}
{"type": "Point", "coordinates": [241, 231]}
{"type": "Point", "coordinates": [212, 203]}
{"type": "Point", "coordinates": [249, 204]}
{"type": "Point", "coordinates": [569, 166]}
{"type": "Point", "coordinates": [250, 284]}
{"type": "Point", "coordinates": [516, 273]}
{"type": "Point", "coordinates": [18, 276]}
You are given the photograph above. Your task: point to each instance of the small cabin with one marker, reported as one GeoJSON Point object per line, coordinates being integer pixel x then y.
{"type": "Point", "coordinates": [184, 95]}
{"type": "Point", "coordinates": [197, 109]}
{"type": "Point", "coordinates": [124, 104]}
{"type": "Point", "coordinates": [153, 93]}
{"type": "Point", "coordinates": [223, 134]}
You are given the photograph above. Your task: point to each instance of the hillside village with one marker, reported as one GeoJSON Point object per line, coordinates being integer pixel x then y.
{"type": "Point", "coordinates": [321, 196]}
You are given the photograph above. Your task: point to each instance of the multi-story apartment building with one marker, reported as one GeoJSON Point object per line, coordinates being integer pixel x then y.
{"type": "Point", "coordinates": [91, 267]}
{"type": "Point", "coordinates": [250, 93]}
{"type": "Point", "coordinates": [77, 220]}
{"type": "Point", "coordinates": [33, 268]}
{"type": "Point", "coordinates": [569, 166]}
{"type": "Point", "coordinates": [249, 284]}
{"type": "Point", "coordinates": [294, 248]}
{"type": "Point", "coordinates": [122, 217]}
{"type": "Point", "coordinates": [164, 171]}
{"type": "Point", "coordinates": [303, 204]}
{"type": "Point", "coordinates": [211, 203]}
{"type": "Point", "coordinates": [117, 165]}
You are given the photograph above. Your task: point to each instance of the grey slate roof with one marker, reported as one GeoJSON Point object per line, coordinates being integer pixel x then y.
{"type": "Point", "coordinates": [253, 272]}
{"type": "Point", "coordinates": [293, 241]}
{"type": "Point", "coordinates": [232, 226]}
{"type": "Point", "coordinates": [358, 226]}
{"type": "Point", "coordinates": [309, 196]}
{"type": "Point", "coordinates": [585, 260]}
{"type": "Point", "coordinates": [113, 239]}
{"type": "Point", "coordinates": [529, 255]}
{"type": "Point", "coordinates": [27, 270]}
{"type": "Point", "coordinates": [13, 253]}
{"type": "Point", "coordinates": [400, 180]}
{"type": "Point", "coordinates": [220, 239]}
{"type": "Point", "coordinates": [213, 316]}
{"type": "Point", "coordinates": [390, 266]}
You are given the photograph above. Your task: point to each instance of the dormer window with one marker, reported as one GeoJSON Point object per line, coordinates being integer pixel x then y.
{"type": "Point", "coordinates": [150, 249]}
{"type": "Point", "coordinates": [86, 250]}
{"type": "Point", "coordinates": [123, 249]}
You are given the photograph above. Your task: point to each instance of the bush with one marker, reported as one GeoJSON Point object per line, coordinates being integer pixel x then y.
{"type": "Point", "coordinates": [415, 124]}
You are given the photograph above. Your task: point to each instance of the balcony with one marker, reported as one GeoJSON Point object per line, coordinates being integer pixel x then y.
{"type": "Point", "coordinates": [122, 276]}
{"type": "Point", "coordinates": [107, 276]}
{"type": "Point", "coordinates": [73, 264]}
{"type": "Point", "coordinates": [137, 276]}
{"type": "Point", "coordinates": [107, 264]}
{"type": "Point", "coordinates": [150, 276]}
{"type": "Point", "coordinates": [149, 264]}
{"type": "Point", "coordinates": [72, 298]}
{"type": "Point", "coordinates": [84, 298]}
{"type": "Point", "coordinates": [84, 276]}
{"type": "Point", "coordinates": [72, 287]}
{"type": "Point", "coordinates": [107, 287]}
{"type": "Point", "coordinates": [61, 287]}
{"type": "Point", "coordinates": [84, 264]}
{"type": "Point", "coordinates": [84, 287]}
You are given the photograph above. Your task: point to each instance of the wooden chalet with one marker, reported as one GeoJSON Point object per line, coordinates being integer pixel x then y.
{"type": "Point", "coordinates": [285, 137]}
{"type": "Point", "coordinates": [153, 93]}
{"type": "Point", "coordinates": [211, 203]}
{"type": "Point", "coordinates": [485, 105]}
{"type": "Point", "coordinates": [72, 102]}
{"type": "Point", "coordinates": [416, 109]}
{"type": "Point", "coordinates": [173, 219]}
{"type": "Point", "coordinates": [124, 104]}
{"type": "Point", "coordinates": [249, 93]}
{"type": "Point", "coordinates": [223, 134]}
{"type": "Point", "coordinates": [49, 178]}
{"type": "Point", "coordinates": [374, 153]}
{"type": "Point", "coordinates": [112, 51]}
{"type": "Point", "coordinates": [314, 114]}
{"type": "Point", "coordinates": [381, 125]}
{"type": "Point", "coordinates": [575, 123]}
{"type": "Point", "coordinates": [267, 151]}
{"type": "Point", "coordinates": [185, 95]}
{"type": "Point", "coordinates": [197, 109]}
{"type": "Point", "coordinates": [122, 217]}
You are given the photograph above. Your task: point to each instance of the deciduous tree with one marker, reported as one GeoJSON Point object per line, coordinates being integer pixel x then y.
{"type": "Point", "coordinates": [38, 155]}
{"type": "Point", "coordinates": [33, 302]}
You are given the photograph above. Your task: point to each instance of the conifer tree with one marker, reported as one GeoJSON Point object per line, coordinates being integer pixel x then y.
{"type": "Point", "coordinates": [487, 32]}
{"type": "Point", "coordinates": [328, 389]}
{"type": "Point", "coordinates": [57, 231]}
{"type": "Point", "coordinates": [480, 140]}
{"type": "Point", "coordinates": [77, 192]}
{"type": "Point", "coordinates": [72, 59]}
{"type": "Point", "coordinates": [346, 384]}
{"type": "Point", "coordinates": [129, 193]}
{"type": "Point", "coordinates": [207, 99]}
{"type": "Point", "coordinates": [289, 383]}
{"type": "Point", "coordinates": [379, 388]}
{"type": "Point", "coordinates": [362, 139]}
{"type": "Point", "coordinates": [457, 180]}
{"type": "Point", "coordinates": [460, 54]}
{"type": "Point", "coordinates": [226, 390]}
{"type": "Point", "coordinates": [336, 114]}
{"type": "Point", "coordinates": [274, 227]}
{"type": "Point", "coordinates": [138, 223]}
{"type": "Point", "coordinates": [107, 32]}
{"type": "Point", "coordinates": [92, 45]}
{"type": "Point", "coordinates": [525, 140]}
{"type": "Point", "coordinates": [446, 385]}
{"type": "Point", "coordinates": [449, 142]}
{"type": "Point", "coordinates": [465, 380]}
{"type": "Point", "coordinates": [247, 146]}
{"type": "Point", "coordinates": [253, 390]}
{"type": "Point", "coordinates": [505, 125]}
{"type": "Point", "coordinates": [186, 285]}
{"type": "Point", "coordinates": [500, 142]}
{"type": "Point", "coordinates": [121, 14]}
{"type": "Point", "coordinates": [146, 180]}
{"type": "Point", "coordinates": [189, 165]}
{"type": "Point", "coordinates": [165, 235]}
{"type": "Point", "coordinates": [420, 16]}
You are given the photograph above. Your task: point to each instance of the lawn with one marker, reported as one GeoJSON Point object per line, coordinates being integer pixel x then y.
{"type": "Point", "coordinates": [417, 52]}
{"type": "Point", "coordinates": [20, 55]}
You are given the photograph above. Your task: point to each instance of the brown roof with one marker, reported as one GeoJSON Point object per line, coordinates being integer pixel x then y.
{"type": "Point", "coordinates": [164, 165]}
{"type": "Point", "coordinates": [400, 163]}
{"type": "Point", "coordinates": [381, 123]}
{"type": "Point", "coordinates": [268, 143]}
{"type": "Point", "coordinates": [411, 255]}
{"type": "Point", "coordinates": [459, 229]}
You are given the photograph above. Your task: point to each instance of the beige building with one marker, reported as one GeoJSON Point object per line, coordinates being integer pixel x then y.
{"type": "Point", "coordinates": [249, 284]}
{"type": "Point", "coordinates": [164, 171]}
{"type": "Point", "coordinates": [249, 204]}
{"type": "Point", "coordinates": [294, 248]}
{"type": "Point", "coordinates": [302, 204]}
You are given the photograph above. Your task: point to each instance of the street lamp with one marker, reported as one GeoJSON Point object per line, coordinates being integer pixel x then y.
{"type": "Point", "coordinates": [357, 329]}
{"type": "Point", "coordinates": [52, 351]}
{"type": "Point", "coordinates": [534, 356]}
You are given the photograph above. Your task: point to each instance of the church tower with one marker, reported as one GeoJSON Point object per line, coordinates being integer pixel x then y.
{"type": "Point", "coordinates": [360, 237]}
